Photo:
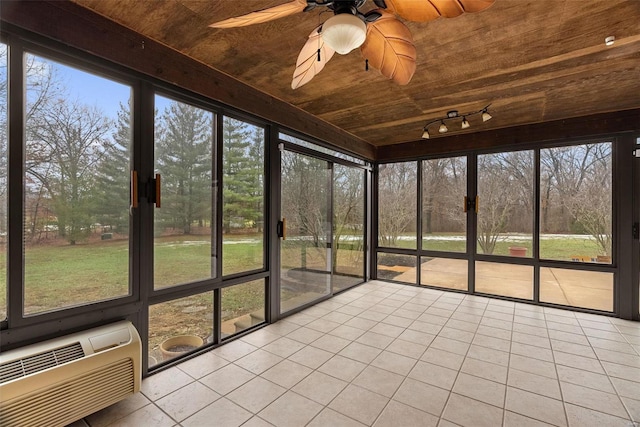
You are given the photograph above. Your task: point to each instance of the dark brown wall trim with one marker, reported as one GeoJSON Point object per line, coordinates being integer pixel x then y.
{"type": "Point", "coordinates": [588, 126]}
{"type": "Point", "coordinates": [83, 29]}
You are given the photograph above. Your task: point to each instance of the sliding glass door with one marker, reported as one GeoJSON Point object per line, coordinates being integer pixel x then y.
{"type": "Point", "coordinates": [322, 227]}
{"type": "Point", "coordinates": [305, 248]}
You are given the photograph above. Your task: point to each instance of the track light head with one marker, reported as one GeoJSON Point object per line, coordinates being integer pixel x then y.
{"type": "Point", "coordinates": [425, 134]}
{"type": "Point", "coordinates": [486, 116]}
{"type": "Point", "coordinates": [443, 128]}
{"type": "Point", "coordinates": [465, 124]}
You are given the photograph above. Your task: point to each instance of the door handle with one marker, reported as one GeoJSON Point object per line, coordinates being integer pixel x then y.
{"type": "Point", "coordinates": [134, 189]}
{"type": "Point", "coordinates": [281, 229]}
{"type": "Point", "coordinates": [158, 199]}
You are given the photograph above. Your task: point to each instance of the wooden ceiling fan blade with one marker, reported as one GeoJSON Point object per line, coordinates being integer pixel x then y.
{"type": "Point", "coordinates": [389, 48]}
{"type": "Point", "coordinates": [411, 10]}
{"type": "Point", "coordinates": [428, 10]}
{"type": "Point", "coordinates": [312, 58]}
{"type": "Point", "coordinates": [473, 6]}
{"type": "Point", "coordinates": [264, 15]}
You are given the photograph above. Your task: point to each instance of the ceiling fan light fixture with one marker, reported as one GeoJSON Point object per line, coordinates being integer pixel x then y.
{"type": "Point", "coordinates": [344, 32]}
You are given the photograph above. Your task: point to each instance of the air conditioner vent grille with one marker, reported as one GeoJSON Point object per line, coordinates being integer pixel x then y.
{"type": "Point", "coordinates": [39, 362]}
{"type": "Point", "coordinates": [11, 370]}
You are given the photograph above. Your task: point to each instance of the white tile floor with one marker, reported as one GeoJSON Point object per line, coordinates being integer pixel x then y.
{"type": "Point", "coordinates": [390, 355]}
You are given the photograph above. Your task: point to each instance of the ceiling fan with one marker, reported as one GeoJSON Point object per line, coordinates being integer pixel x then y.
{"type": "Point", "coordinates": [384, 41]}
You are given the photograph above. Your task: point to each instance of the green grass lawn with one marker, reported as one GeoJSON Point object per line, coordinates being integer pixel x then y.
{"type": "Point", "coordinates": [64, 276]}
{"type": "Point", "coordinates": [553, 249]}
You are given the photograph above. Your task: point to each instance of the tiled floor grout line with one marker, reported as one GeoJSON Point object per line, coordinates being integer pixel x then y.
{"type": "Point", "coordinates": [453, 312]}
{"type": "Point", "coordinates": [555, 367]}
{"type": "Point", "coordinates": [460, 370]}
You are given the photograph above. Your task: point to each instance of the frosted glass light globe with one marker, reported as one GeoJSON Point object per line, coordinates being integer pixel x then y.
{"type": "Point", "coordinates": [344, 32]}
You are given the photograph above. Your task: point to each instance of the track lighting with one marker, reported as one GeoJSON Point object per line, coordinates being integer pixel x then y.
{"type": "Point", "coordinates": [454, 115]}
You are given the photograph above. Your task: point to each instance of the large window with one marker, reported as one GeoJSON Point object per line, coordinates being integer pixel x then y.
{"type": "Point", "coordinates": [563, 257]}
{"type": "Point", "coordinates": [76, 187]}
{"type": "Point", "coordinates": [348, 226]}
{"type": "Point", "coordinates": [397, 210]}
{"type": "Point", "coordinates": [4, 202]}
{"type": "Point", "coordinates": [444, 221]}
{"type": "Point", "coordinates": [505, 203]}
{"type": "Point", "coordinates": [576, 203]}
{"type": "Point", "coordinates": [242, 197]}
{"type": "Point", "coordinates": [183, 248]}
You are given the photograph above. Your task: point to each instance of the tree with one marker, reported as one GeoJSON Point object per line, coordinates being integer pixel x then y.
{"type": "Point", "coordinates": [113, 175]}
{"type": "Point", "coordinates": [305, 196]}
{"type": "Point", "coordinates": [578, 179]}
{"type": "Point", "coordinates": [44, 88]}
{"type": "Point", "coordinates": [505, 186]}
{"type": "Point", "coordinates": [397, 183]}
{"type": "Point", "coordinates": [243, 178]}
{"type": "Point", "coordinates": [348, 216]}
{"type": "Point", "coordinates": [184, 143]}
{"type": "Point", "coordinates": [73, 137]}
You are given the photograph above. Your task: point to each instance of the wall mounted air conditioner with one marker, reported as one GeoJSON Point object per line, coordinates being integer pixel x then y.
{"type": "Point", "coordinates": [57, 382]}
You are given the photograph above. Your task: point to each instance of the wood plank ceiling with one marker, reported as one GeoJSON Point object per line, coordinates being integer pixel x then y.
{"type": "Point", "coordinates": [533, 61]}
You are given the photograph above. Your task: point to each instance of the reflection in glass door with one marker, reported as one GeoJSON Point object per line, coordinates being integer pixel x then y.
{"type": "Point", "coordinates": [305, 250]}
{"type": "Point", "coordinates": [348, 226]}
{"type": "Point", "coordinates": [444, 223]}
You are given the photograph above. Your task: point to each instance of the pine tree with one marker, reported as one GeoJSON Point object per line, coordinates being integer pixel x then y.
{"type": "Point", "coordinates": [243, 180]}
{"type": "Point", "coordinates": [184, 158]}
{"type": "Point", "coordinates": [112, 194]}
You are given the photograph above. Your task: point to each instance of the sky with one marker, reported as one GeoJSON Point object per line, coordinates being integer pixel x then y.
{"type": "Point", "coordinates": [98, 91]}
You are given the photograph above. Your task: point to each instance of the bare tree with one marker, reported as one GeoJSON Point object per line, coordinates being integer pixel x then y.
{"type": "Point", "coordinates": [73, 136]}
{"type": "Point", "coordinates": [348, 215]}
{"type": "Point", "coordinates": [397, 191]}
{"type": "Point", "coordinates": [504, 187]}
{"type": "Point", "coordinates": [579, 184]}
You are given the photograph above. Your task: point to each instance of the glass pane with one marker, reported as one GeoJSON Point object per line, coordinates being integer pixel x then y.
{"type": "Point", "coordinates": [179, 326]}
{"type": "Point", "coordinates": [243, 197]}
{"type": "Point", "coordinates": [587, 289]}
{"type": "Point", "coordinates": [509, 280]}
{"type": "Point", "coordinates": [401, 268]}
{"type": "Point", "coordinates": [320, 149]}
{"type": "Point", "coordinates": [242, 307]}
{"type": "Point", "coordinates": [348, 226]}
{"type": "Point", "coordinates": [397, 211]}
{"type": "Point", "coordinates": [576, 203]}
{"type": "Point", "coordinates": [184, 139]}
{"type": "Point", "coordinates": [4, 202]}
{"type": "Point", "coordinates": [76, 187]}
{"type": "Point", "coordinates": [305, 255]}
{"type": "Point", "coordinates": [444, 222]}
{"type": "Point", "coordinates": [505, 206]}
{"type": "Point", "coordinates": [444, 273]}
